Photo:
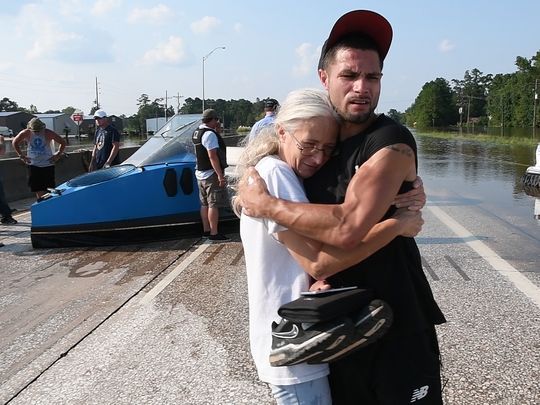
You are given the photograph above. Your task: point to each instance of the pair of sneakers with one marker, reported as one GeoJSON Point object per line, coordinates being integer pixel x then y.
{"type": "Point", "coordinates": [324, 342]}
{"type": "Point", "coordinates": [9, 220]}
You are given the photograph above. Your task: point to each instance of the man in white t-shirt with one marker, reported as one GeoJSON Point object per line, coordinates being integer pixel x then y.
{"type": "Point", "coordinates": [211, 155]}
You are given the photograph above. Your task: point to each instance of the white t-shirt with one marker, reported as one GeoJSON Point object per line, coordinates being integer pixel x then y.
{"type": "Point", "coordinates": [210, 141]}
{"type": "Point", "coordinates": [274, 277]}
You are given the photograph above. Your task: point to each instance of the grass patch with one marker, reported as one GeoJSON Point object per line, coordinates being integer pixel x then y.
{"type": "Point", "coordinates": [502, 140]}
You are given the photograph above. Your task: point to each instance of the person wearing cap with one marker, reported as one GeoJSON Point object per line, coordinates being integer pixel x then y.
{"type": "Point", "coordinates": [40, 156]}
{"type": "Point", "coordinates": [377, 159]}
{"type": "Point", "coordinates": [106, 143]}
{"type": "Point", "coordinates": [270, 107]}
{"type": "Point", "coordinates": [210, 151]}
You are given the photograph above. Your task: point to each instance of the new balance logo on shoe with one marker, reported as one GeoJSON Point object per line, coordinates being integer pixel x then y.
{"type": "Point", "coordinates": [419, 393]}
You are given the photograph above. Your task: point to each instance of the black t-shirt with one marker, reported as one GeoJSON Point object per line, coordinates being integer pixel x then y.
{"type": "Point", "coordinates": [395, 272]}
{"type": "Point", "coordinates": [104, 139]}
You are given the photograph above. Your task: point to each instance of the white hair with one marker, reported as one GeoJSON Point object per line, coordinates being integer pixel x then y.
{"type": "Point", "coordinates": [299, 106]}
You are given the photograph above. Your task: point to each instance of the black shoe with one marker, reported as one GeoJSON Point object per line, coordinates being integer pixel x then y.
{"type": "Point", "coordinates": [9, 220]}
{"type": "Point", "coordinates": [369, 326]}
{"type": "Point", "coordinates": [292, 344]}
{"type": "Point", "coordinates": [218, 236]}
{"type": "Point", "coordinates": [206, 234]}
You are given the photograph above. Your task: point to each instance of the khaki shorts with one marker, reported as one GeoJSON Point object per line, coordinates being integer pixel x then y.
{"type": "Point", "coordinates": [211, 194]}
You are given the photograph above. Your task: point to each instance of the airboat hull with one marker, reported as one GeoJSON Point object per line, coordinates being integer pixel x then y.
{"type": "Point", "coordinates": [145, 199]}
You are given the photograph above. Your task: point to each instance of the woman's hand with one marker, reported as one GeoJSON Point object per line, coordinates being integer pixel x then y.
{"type": "Point", "coordinates": [413, 200]}
{"type": "Point", "coordinates": [410, 221]}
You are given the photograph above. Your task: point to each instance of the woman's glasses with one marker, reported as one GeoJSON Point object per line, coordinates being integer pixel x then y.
{"type": "Point", "coordinates": [310, 148]}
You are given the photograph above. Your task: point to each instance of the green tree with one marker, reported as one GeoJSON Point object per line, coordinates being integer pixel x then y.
{"type": "Point", "coordinates": [511, 95]}
{"type": "Point", "coordinates": [434, 106]}
{"type": "Point", "coordinates": [7, 105]}
{"type": "Point", "coordinates": [69, 111]}
{"type": "Point", "coordinates": [396, 115]}
{"type": "Point", "coordinates": [471, 94]}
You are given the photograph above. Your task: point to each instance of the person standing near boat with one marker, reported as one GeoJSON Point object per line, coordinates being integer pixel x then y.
{"type": "Point", "coordinates": [270, 108]}
{"type": "Point", "coordinates": [40, 156]}
{"type": "Point", "coordinates": [211, 156]}
{"type": "Point", "coordinates": [106, 143]}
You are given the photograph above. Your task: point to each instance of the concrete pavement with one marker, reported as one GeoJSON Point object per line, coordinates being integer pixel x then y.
{"type": "Point", "coordinates": [166, 323]}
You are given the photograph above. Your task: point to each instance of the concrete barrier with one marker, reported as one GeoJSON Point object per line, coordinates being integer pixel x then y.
{"type": "Point", "coordinates": [14, 173]}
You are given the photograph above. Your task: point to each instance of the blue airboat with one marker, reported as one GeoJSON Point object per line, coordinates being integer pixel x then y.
{"type": "Point", "coordinates": [153, 195]}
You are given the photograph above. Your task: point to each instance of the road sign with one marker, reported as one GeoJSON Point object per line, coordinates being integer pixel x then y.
{"type": "Point", "coordinates": [77, 118]}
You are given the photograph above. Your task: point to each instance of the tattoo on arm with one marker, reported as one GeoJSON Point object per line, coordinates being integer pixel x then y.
{"type": "Point", "coordinates": [401, 149]}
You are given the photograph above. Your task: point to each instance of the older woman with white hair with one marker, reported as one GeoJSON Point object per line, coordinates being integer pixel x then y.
{"type": "Point", "coordinates": [280, 264]}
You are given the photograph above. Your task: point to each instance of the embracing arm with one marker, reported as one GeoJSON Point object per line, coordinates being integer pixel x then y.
{"type": "Point", "coordinates": [369, 194]}
{"type": "Point", "coordinates": [321, 261]}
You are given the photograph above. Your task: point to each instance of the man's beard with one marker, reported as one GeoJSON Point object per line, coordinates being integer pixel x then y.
{"type": "Point", "coordinates": [358, 118]}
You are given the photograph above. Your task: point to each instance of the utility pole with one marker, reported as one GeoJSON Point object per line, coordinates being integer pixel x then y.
{"type": "Point", "coordinates": [502, 116]}
{"type": "Point", "coordinates": [97, 96]}
{"type": "Point", "coordinates": [534, 109]}
{"type": "Point", "coordinates": [177, 97]}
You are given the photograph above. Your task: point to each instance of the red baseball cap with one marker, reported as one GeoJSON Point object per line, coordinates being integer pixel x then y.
{"type": "Point", "coordinates": [364, 22]}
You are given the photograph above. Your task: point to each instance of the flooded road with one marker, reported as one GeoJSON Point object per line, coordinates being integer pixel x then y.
{"type": "Point", "coordinates": [482, 174]}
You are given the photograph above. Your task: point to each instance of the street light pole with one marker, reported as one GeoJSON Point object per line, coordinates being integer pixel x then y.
{"type": "Point", "coordinates": [203, 60]}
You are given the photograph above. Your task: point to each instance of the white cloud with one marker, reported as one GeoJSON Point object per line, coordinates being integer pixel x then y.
{"type": "Point", "coordinates": [205, 25]}
{"type": "Point", "coordinates": [238, 27]}
{"type": "Point", "coordinates": [48, 39]}
{"type": "Point", "coordinates": [4, 66]}
{"type": "Point", "coordinates": [155, 15]}
{"type": "Point", "coordinates": [172, 52]}
{"type": "Point", "coordinates": [104, 6]}
{"type": "Point", "coordinates": [70, 8]}
{"type": "Point", "coordinates": [307, 57]}
{"type": "Point", "coordinates": [446, 46]}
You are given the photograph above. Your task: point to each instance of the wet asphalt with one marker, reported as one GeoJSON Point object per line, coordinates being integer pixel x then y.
{"type": "Point", "coordinates": [166, 322]}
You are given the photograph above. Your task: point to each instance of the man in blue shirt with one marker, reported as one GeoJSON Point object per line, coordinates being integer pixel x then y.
{"type": "Point", "coordinates": [106, 143]}
{"type": "Point", "coordinates": [270, 109]}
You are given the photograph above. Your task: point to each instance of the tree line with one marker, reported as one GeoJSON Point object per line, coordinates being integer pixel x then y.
{"type": "Point", "coordinates": [506, 100]}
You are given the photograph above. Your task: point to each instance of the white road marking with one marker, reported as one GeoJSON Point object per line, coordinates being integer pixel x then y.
{"type": "Point", "coordinates": [521, 282]}
{"type": "Point", "coordinates": [150, 295]}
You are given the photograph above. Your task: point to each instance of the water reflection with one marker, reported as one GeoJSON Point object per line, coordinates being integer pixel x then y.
{"type": "Point", "coordinates": [488, 172]}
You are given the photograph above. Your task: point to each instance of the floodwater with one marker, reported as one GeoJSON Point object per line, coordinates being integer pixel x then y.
{"type": "Point", "coordinates": [76, 143]}
{"type": "Point", "coordinates": [484, 172]}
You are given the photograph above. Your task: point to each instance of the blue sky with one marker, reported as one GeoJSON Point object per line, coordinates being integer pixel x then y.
{"type": "Point", "coordinates": [53, 50]}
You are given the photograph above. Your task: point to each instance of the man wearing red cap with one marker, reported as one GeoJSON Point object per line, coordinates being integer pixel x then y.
{"type": "Point", "coordinates": [377, 160]}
